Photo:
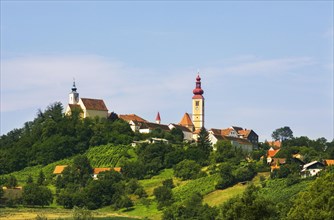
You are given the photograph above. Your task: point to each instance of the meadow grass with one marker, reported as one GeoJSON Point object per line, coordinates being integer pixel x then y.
{"type": "Point", "coordinates": [156, 181]}
{"type": "Point", "coordinates": [218, 197]}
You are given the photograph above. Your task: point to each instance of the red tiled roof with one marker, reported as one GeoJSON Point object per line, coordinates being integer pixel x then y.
{"type": "Point", "coordinates": [131, 117]}
{"type": "Point", "coordinates": [216, 131]}
{"type": "Point", "coordinates": [329, 162]}
{"type": "Point", "coordinates": [272, 153]}
{"type": "Point", "coordinates": [276, 144]}
{"type": "Point", "coordinates": [278, 161]}
{"type": "Point", "coordinates": [244, 133]}
{"type": "Point", "coordinates": [59, 169]}
{"type": "Point", "coordinates": [103, 169]}
{"type": "Point", "coordinates": [94, 104]}
{"type": "Point", "coordinates": [197, 131]}
{"type": "Point", "coordinates": [99, 170]}
{"type": "Point", "coordinates": [186, 121]}
{"type": "Point", "coordinates": [226, 132]}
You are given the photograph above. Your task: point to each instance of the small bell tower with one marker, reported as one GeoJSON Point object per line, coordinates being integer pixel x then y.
{"type": "Point", "coordinates": [73, 96]}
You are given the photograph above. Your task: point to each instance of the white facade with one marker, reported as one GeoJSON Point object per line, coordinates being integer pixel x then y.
{"type": "Point", "coordinates": [187, 134]}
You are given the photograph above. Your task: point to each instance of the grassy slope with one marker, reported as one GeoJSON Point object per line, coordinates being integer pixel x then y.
{"type": "Point", "coordinates": [218, 197]}
{"type": "Point", "coordinates": [108, 155]}
{"type": "Point", "coordinates": [277, 191]}
{"type": "Point", "coordinates": [100, 156]}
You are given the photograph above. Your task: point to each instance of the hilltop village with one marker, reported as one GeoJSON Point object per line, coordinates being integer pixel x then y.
{"type": "Point", "coordinates": [190, 124]}
{"type": "Point", "coordinates": [84, 158]}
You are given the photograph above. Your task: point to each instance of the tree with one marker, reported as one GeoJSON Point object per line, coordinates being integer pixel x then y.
{"type": "Point", "coordinates": [249, 206]}
{"type": "Point", "coordinates": [317, 201]}
{"type": "Point", "coordinates": [132, 185]}
{"type": "Point", "coordinates": [192, 208]}
{"type": "Point", "coordinates": [187, 169]}
{"type": "Point", "coordinates": [163, 196]}
{"type": "Point", "coordinates": [29, 179]}
{"type": "Point", "coordinates": [177, 134]}
{"type": "Point", "coordinates": [281, 134]}
{"type": "Point", "coordinates": [168, 183]}
{"type": "Point", "coordinates": [34, 194]}
{"type": "Point", "coordinates": [81, 169]}
{"type": "Point", "coordinates": [226, 177]}
{"type": "Point", "coordinates": [134, 169]}
{"type": "Point", "coordinates": [1, 191]}
{"type": "Point", "coordinates": [11, 182]}
{"type": "Point", "coordinates": [124, 202]}
{"type": "Point", "coordinates": [41, 178]}
{"type": "Point", "coordinates": [204, 144]}
{"type": "Point", "coordinates": [225, 151]}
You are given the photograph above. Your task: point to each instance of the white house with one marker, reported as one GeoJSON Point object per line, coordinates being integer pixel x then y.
{"type": "Point", "coordinates": [187, 134]}
{"type": "Point", "coordinates": [244, 144]}
{"type": "Point", "coordinates": [312, 168]}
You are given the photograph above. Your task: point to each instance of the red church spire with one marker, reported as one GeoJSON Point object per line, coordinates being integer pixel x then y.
{"type": "Point", "coordinates": [198, 91]}
{"type": "Point", "coordinates": [158, 119]}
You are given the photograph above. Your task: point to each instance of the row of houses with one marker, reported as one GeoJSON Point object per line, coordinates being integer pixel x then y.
{"type": "Point", "coordinates": [190, 125]}
{"type": "Point", "coordinates": [306, 169]}
{"type": "Point", "coordinates": [246, 139]}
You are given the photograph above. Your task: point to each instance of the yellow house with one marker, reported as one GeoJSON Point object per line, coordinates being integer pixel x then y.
{"type": "Point", "coordinates": [88, 107]}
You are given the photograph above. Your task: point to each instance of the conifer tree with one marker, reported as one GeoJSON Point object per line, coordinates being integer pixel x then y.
{"type": "Point", "coordinates": [203, 143]}
{"type": "Point", "coordinates": [41, 178]}
{"type": "Point", "coordinates": [30, 179]}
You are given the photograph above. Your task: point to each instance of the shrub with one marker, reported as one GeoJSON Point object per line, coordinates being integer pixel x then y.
{"type": "Point", "coordinates": [187, 169]}
{"type": "Point", "coordinates": [163, 196]}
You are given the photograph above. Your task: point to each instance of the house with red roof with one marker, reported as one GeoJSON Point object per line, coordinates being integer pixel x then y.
{"type": "Point", "coordinates": [270, 154]}
{"type": "Point", "coordinates": [59, 169]}
{"type": "Point", "coordinates": [329, 162]}
{"type": "Point", "coordinates": [98, 170]}
{"type": "Point", "coordinates": [274, 144]}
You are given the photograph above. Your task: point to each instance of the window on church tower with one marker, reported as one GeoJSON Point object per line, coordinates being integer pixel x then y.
{"type": "Point", "coordinates": [197, 103]}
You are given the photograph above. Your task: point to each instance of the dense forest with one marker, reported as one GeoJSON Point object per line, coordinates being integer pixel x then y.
{"type": "Point", "coordinates": [194, 170]}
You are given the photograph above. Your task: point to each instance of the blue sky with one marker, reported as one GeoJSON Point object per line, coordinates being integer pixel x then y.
{"type": "Point", "coordinates": [264, 65]}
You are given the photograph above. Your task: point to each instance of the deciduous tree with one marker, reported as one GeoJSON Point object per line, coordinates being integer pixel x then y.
{"type": "Point", "coordinates": [281, 134]}
{"type": "Point", "coordinates": [36, 195]}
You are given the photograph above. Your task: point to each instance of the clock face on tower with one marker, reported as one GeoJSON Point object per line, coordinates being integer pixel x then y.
{"type": "Point", "coordinates": [196, 108]}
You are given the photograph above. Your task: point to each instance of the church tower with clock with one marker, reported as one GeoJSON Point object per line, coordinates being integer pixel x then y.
{"type": "Point", "coordinates": [198, 105]}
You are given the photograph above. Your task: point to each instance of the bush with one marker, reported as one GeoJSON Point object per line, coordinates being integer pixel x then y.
{"type": "Point", "coordinates": [192, 208]}
{"type": "Point", "coordinates": [36, 195]}
{"type": "Point", "coordinates": [187, 169]}
{"type": "Point", "coordinates": [244, 173]}
{"type": "Point", "coordinates": [168, 183]}
{"type": "Point", "coordinates": [82, 214]}
{"type": "Point", "coordinates": [163, 196]}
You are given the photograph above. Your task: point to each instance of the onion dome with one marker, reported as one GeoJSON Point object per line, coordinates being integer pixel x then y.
{"type": "Point", "coordinates": [198, 90]}
{"type": "Point", "coordinates": [74, 89]}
